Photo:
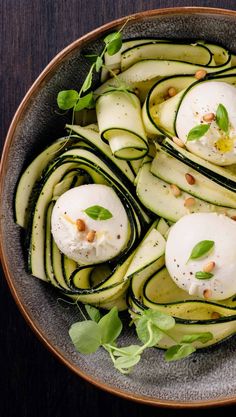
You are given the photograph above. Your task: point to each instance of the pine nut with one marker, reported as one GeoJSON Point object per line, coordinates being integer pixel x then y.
{"type": "Point", "coordinates": [189, 202]}
{"type": "Point", "coordinates": [209, 267]}
{"type": "Point", "coordinates": [172, 91]}
{"type": "Point", "coordinates": [80, 224]}
{"type": "Point", "coordinates": [233, 218]}
{"type": "Point", "coordinates": [91, 236]}
{"type": "Point", "coordinates": [207, 293]}
{"type": "Point", "coordinates": [178, 141]}
{"type": "Point", "coordinates": [190, 179]}
{"type": "Point", "coordinates": [209, 117]}
{"type": "Point", "coordinates": [215, 315]}
{"type": "Point", "coordinates": [175, 190]}
{"type": "Point", "coordinates": [200, 74]}
{"type": "Point", "coordinates": [136, 91]}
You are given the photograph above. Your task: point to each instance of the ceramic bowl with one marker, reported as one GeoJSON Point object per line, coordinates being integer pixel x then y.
{"type": "Point", "coordinates": [205, 378]}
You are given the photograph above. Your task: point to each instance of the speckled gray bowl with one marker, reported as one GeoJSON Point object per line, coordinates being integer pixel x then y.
{"type": "Point", "coordinates": [206, 378]}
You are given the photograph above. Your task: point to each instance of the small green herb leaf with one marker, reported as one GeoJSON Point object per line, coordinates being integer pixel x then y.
{"type": "Point", "coordinates": [85, 102]}
{"type": "Point", "coordinates": [222, 118]}
{"type": "Point", "coordinates": [110, 326]}
{"type": "Point", "coordinates": [127, 351]}
{"type": "Point", "coordinates": [67, 99]}
{"type": "Point", "coordinates": [93, 313]}
{"type": "Point", "coordinates": [177, 352]}
{"type": "Point", "coordinates": [98, 213]}
{"type": "Point", "coordinates": [86, 336]}
{"type": "Point", "coordinates": [113, 42]}
{"type": "Point", "coordinates": [88, 80]}
{"type": "Point", "coordinates": [153, 336]}
{"type": "Point", "coordinates": [99, 63]}
{"type": "Point", "coordinates": [126, 362]}
{"type": "Point", "coordinates": [203, 275]}
{"type": "Point", "coordinates": [197, 132]}
{"type": "Point", "coordinates": [201, 249]}
{"type": "Point", "coordinates": [201, 337]}
{"type": "Point", "coordinates": [162, 320]}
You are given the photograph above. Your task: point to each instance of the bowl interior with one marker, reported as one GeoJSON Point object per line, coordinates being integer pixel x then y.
{"type": "Point", "coordinates": [204, 377]}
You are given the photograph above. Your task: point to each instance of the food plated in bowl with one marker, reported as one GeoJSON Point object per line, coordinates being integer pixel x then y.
{"type": "Point", "coordinates": [150, 206]}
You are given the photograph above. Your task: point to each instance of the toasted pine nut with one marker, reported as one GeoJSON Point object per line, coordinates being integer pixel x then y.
{"type": "Point", "coordinates": [80, 224]}
{"type": "Point", "coordinates": [215, 315]}
{"type": "Point", "coordinates": [209, 267]}
{"type": "Point", "coordinates": [136, 91]}
{"type": "Point", "coordinates": [190, 179]}
{"type": "Point", "coordinates": [178, 141]}
{"type": "Point", "coordinates": [175, 190]}
{"type": "Point", "coordinates": [91, 235]}
{"type": "Point", "coordinates": [233, 218]}
{"type": "Point", "coordinates": [209, 117]}
{"type": "Point", "coordinates": [189, 202]}
{"type": "Point", "coordinates": [172, 91]}
{"type": "Point", "coordinates": [207, 293]}
{"type": "Point", "coordinates": [200, 74]}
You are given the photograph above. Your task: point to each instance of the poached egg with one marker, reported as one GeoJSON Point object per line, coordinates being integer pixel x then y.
{"type": "Point", "coordinates": [184, 236]}
{"type": "Point", "coordinates": [82, 238]}
{"type": "Point", "coordinates": [203, 99]}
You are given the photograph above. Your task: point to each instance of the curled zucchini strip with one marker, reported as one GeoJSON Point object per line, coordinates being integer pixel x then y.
{"type": "Point", "coordinates": [196, 54]}
{"type": "Point", "coordinates": [120, 124]}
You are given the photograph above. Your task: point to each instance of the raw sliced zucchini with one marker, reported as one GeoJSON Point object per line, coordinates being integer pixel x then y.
{"type": "Point", "coordinates": [223, 176]}
{"type": "Point", "coordinates": [196, 54]}
{"type": "Point", "coordinates": [120, 124]}
{"type": "Point", "coordinates": [173, 171]}
{"type": "Point", "coordinates": [90, 135]}
{"type": "Point", "coordinates": [157, 196]}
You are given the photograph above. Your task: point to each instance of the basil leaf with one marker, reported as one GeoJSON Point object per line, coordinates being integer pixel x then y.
{"type": "Point", "coordinates": [110, 326]}
{"type": "Point", "coordinates": [93, 313]}
{"type": "Point", "coordinates": [197, 132]}
{"type": "Point", "coordinates": [162, 320]}
{"type": "Point", "coordinates": [126, 362]}
{"type": "Point", "coordinates": [98, 213]}
{"type": "Point", "coordinates": [203, 275]}
{"type": "Point", "coordinates": [127, 351]}
{"type": "Point", "coordinates": [113, 42]}
{"type": "Point", "coordinates": [99, 63]}
{"type": "Point", "coordinates": [222, 118]}
{"type": "Point", "coordinates": [201, 337]}
{"type": "Point", "coordinates": [86, 336]}
{"type": "Point", "coordinates": [85, 102]}
{"type": "Point", "coordinates": [66, 99]}
{"type": "Point", "coordinates": [143, 332]}
{"type": "Point", "coordinates": [177, 352]}
{"type": "Point", "coordinates": [201, 249]}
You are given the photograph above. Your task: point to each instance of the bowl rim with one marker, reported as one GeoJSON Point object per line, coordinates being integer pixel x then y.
{"type": "Point", "coordinates": [20, 112]}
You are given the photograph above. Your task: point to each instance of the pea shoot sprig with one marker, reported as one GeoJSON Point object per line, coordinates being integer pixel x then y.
{"type": "Point", "coordinates": [103, 331]}
{"type": "Point", "coordinates": [78, 100]}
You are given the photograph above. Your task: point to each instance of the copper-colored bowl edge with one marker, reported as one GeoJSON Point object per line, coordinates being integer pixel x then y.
{"type": "Point", "coordinates": [52, 66]}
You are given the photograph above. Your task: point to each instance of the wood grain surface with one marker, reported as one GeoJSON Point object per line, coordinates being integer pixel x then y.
{"type": "Point", "coordinates": [32, 382]}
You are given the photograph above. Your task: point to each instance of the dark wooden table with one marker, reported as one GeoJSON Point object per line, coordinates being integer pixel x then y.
{"type": "Point", "coordinates": [32, 382]}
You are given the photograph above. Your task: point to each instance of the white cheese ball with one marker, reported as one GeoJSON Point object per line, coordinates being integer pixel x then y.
{"type": "Point", "coordinates": [183, 237]}
{"type": "Point", "coordinates": [111, 234]}
{"type": "Point", "coordinates": [215, 146]}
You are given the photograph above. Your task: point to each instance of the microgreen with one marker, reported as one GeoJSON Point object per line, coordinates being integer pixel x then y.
{"type": "Point", "coordinates": [222, 118]}
{"type": "Point", "coordinates": [151, 326]}
{"type": "Point", "coordinates": [113, 42]}
{"type": "Point", "coordinates": [98, 213]}
{"type": "Point", "coordinates": [201, 249]}
{"type": "Point", "coordinates": [203, 275]}
{"type": "Point", "coordinates": [67, 99]}
{"type": "Point", "coordinates": [197, 132]}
